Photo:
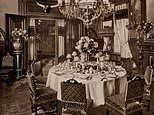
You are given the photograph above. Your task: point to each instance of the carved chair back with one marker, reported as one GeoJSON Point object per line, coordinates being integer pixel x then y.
{"type": "Point", "coordinates": [73, 94]}
{"type": "Point", "coordinates": [134, 89]}
{"type": "Point", "coordinates": [148, 74]}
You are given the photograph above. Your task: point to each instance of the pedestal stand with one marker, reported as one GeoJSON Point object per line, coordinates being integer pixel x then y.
{"type": "Point", "coordinates": [18, 63]}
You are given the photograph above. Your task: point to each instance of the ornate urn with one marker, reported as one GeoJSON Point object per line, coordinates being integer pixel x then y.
{"type": "Point", "coordinates": [17, 45]}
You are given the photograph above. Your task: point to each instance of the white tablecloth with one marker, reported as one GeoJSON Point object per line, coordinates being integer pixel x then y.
{"type": "Point", "coordinates": [96, 89]}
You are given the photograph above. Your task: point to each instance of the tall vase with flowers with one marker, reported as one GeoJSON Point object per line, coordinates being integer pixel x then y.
{"type": "Point", "coordinates": [86, 47]}
{"type": "Point", "coordinates": [18, 35]}
{"type": "Point", "coordinates": [18, 38]}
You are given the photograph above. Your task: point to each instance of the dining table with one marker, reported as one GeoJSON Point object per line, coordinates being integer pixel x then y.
{"type": "Point", "coordinates": [98, 85]}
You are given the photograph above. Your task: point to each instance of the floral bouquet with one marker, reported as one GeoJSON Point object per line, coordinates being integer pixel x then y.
{"type": "Point", "coordinates": [18, 37]}
{"type": "Point", "coordinates": [145, 27]}
{"type": "Point", "coordinates": [86, 45]}
{"type": "Point", "coordinates": [16, 34]}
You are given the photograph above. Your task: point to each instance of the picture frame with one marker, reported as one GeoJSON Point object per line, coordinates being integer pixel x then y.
{"type": "Point", "coordinates": [2, 35]}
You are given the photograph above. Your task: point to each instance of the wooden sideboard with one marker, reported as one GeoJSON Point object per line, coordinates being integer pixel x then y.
{"type": "Point", "coordinates": [146, 53]}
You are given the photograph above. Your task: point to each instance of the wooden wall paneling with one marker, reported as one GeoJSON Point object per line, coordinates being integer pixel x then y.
{"type": "Point", "coordinates": [45, 37]}
{"type": "Point", "coordinates": [29, 7]}
{"type": "Point", "coordinates": [74, 30]}
{"type": "Point", "coordinates": [56, 42]}
{"type": "Point", "coordinates": [46, 32]}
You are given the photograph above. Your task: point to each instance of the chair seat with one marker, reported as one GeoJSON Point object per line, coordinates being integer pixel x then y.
{"type": "Point", "coordinates": [44, 95]}
{"type": "Point", "coordinates": [117, 102]}
{"type": "Point", "coordinates": [41, 97]}
{"type": "Point", "coordinates": [44, 92]}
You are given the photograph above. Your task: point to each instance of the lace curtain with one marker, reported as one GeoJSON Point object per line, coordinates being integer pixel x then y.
{"type": "Point", "coordinates": [121, 38]}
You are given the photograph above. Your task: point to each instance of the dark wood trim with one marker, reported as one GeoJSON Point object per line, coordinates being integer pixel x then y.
{"type": "Point", "coordinates": [143, 10]}
{"type": "Point", "coordinates": [120, 14]}
{"type": "Point", "coordinates": [30, 8]}
{"type": "Point", "coordinates": [56, 42]}
{"type": "Point", "coordinates": [117, 2]}
{"type": "Point", "coordinates": [44, 16]}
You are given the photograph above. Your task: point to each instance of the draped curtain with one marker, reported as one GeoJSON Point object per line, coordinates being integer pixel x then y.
{"type": "Point", "coordinates": [121, 38]}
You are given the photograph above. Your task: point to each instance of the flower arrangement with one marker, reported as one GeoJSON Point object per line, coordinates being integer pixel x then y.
{"type": "Point", "coordinates": [86, 45]}
{"type": "Point", "coordinates": [16, 34]}
{"type": "Point", "coordinates": [145, 27]}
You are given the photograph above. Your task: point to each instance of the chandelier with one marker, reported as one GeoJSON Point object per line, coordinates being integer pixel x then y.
{"type": "Point", "coordinates": [85, 10]}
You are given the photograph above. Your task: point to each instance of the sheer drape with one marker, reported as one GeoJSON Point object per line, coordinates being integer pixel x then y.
{"type": "Point", "coordinates": [121, 38]}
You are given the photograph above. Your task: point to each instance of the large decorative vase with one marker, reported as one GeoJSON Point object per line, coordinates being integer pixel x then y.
{"type": "Point", "coordinates": [17, 44]}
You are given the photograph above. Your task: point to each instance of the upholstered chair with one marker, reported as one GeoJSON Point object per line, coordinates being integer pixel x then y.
{"type": "Point", "coordinates": [129, 102]}
{"type": "Point", "coordinates": [42, 98]}
{"type": "Point", "coordinates": [74, 100]}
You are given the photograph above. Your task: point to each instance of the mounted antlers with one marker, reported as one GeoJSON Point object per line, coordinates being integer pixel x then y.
{"type": "Point", "coordinates": [45, 7]}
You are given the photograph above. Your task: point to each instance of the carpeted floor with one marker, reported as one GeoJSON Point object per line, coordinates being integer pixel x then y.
{"type": "Point", "coordinates": [14, 100]}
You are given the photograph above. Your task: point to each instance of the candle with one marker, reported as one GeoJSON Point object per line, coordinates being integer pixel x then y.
{"type": "Point", "coordinates": [67, 1]}
{"type": "Point", "coordinates": [97, 56]}
{"type": "Point", "coordinates": [60, 2]}
{"type": "Point", "coordinates": [76, 1]}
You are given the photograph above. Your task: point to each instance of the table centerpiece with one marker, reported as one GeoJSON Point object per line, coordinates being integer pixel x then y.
{"type": "Point", "coordinates": [86, 47]}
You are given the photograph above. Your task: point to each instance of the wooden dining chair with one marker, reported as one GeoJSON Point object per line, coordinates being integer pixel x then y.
{"type": "Point", "coordinates": [42, 98]}
{"type": "Point", "coordinates": [147, 91]}
{"type": "Point", "coordinates": [74, 100]}
{"type": "Point", "coordinates": [128, 102]}
{"type": "Point", "coordinates": [37, 72]}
